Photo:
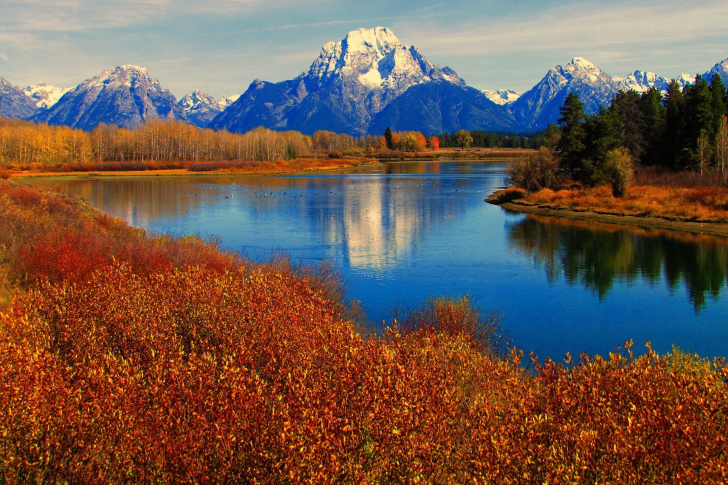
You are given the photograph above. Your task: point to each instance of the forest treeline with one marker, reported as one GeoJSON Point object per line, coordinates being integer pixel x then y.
{"type": "Point", "coordinates": [24, 144]}
{"type": "Point", "coordinates": [498, 139]}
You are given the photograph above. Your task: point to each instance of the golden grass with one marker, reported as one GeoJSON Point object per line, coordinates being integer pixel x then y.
{"type": "Point", "coordinates": [700, 204]}
{"type": "Point", "coordinates": [188, 168]}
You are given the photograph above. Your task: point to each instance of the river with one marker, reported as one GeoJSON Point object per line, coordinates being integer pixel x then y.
{"type": "Point", "coordinates": [403, 231]}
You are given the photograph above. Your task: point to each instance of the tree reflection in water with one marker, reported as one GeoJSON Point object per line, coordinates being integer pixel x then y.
{"type": "Point", "coordinates": [594, 254]}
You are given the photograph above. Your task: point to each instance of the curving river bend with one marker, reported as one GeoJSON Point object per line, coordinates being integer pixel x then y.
{"type": "Point", "coordinates": [406, 230]}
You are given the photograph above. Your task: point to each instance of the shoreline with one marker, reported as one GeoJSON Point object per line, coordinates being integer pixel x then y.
{"type": "Point", "coordinates": [181, 172]}
{"type": "Point", "coordinates": [710, 228]}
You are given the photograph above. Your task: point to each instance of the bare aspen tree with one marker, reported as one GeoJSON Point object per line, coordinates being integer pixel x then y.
{"type": "Point", "coordinates": [722, 146]}
{"type": "Point", "coordinates": [703, 144]}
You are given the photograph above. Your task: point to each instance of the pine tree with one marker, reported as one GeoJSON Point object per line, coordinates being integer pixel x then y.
{"type": "Point", "coordinates": [627, 107]}
{"type": "Point", "coordinates": [697, 124]}
{"type": "Point", "coordinates": [717, 105]}
{"type": "Point", "coordinates": [674, 129]}
{"type": "Point", "coordinates": [653, 115]}
{"type": "Point", "coordinates": [603, 135]}
{"type": "Point", "coordinates": [571, 145]}
{"type": "Point", "coordinates": [388, 138]}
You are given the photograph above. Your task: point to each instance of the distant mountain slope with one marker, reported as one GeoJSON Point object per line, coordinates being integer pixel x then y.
{"type": "Point", "coordinates": [347, 87]}
{"type": "Point", "coordinates": [721, 69]}
{"type": "Point", "coordinates": [440, 107]}
{"type": "Point", "coordinates": [125, 96]}
{"type": "Point", "coordinates": [44, 94]}
{"type": "Point", "coordinates": [540, 106]}
{"type": "Point", "coordinates": [14, 103]}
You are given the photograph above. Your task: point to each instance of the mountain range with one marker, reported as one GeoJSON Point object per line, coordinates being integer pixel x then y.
{"type": "Point", "coordinates": [362, 84]}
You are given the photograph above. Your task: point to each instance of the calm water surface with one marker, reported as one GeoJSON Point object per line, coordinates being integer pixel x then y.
{"type": "Point", "coordinates": [404, 231]}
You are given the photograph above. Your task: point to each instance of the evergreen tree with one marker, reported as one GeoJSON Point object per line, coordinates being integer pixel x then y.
{"type": "Point", "coordinates": [697, 120]}
{"type": "Point", "coordinates": [717, 105]}
{"type": "Point", "coordinates": [674, 129]}
{"type": "Point", "coordinates": [388, 138]}
{"type": "Point", "coordinates": [603, 135]}
{"type": "Point", "coordinates": [631, 121]}
{"type": "Point", "coordinates": [571, 145]}
{"type": "Point", "coordinates": [653, 115]}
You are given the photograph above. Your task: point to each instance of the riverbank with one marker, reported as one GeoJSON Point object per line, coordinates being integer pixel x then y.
{"type": "Point", "coordinates": [645, 212]}
{"type": "Point", "coordinates": [208, 168]}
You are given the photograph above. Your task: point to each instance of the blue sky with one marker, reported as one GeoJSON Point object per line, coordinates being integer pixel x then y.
{"type": "Point", "coordinates": [221, 46]}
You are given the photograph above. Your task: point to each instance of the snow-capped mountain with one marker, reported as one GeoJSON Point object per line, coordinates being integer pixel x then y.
{"type": "Point", "coordinates": [14, 103]}
{"type": "Point", "coordinates": [125, 96]}
{"type": "Point", "coordinates": [540, 106]}
{"type": "Point", "coordinates": [198, 108]}
{"type": "Point", "coordinates": [502, 96]}
{"type": "Point", "coordinates": [685, 79]}
{"type": "Point", "coordinates": [641, 82]}
{"type": "Point", "coordinates": [346, 87]}
{"type": "Point", "coordinates": [44, 94]}
{"type": "Point", "coordinates": [721, 69]}
{"type": "Point", "coordinates": [226, 101]}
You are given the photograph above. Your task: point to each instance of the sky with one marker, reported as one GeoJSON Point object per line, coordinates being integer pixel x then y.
{"type": "Point", "coordinates": [221, 46]}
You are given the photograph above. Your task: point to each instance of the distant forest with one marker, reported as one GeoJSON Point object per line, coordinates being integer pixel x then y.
{"type": "Point", "coordinates": [501, 139]}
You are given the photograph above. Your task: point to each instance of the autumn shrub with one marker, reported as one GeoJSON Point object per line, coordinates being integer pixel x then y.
{"type": "Point", "coordinates": [4, 174]}
{"type": "Point", "coordinates": [619, 167]}
{"type": "Point", "coordinates": [654, 419]}
{"type": "Point", "coordinates": [453, 317]}
{"type": "Point", "coordinates": [509, 195]}
{"type": "Point", "coordinates": [536, 172]}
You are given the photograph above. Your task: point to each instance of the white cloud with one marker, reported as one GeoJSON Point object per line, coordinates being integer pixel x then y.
{"type": "Point", "coordinates": [586, 25]}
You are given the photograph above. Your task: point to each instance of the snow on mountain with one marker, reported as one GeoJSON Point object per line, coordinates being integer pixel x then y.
{"type": "Point", "coordinates": [226, 101]}
{"type": "Point", "coordinates": [343, 90]}
{"type": "Point", "coordinates": [44, 94]}
{"type": "Point", "coordinates": [377, 59]}
{"type": "Point", "coordinates": [685, 79]}
{"type": "Point", "coordinates": [721, 69]}
{"type": "Point", "coordinates": [14, 103]}
{"type": "Point", "coordinates": [502, 96]}
{"type": "Point", "coordinates": [198, 108]}
{"type": "Point", "coordinates": [641, 82]}
{"type": "Point", "coordinates": [125, 96]}
{"type": "Point", "coordinates": [540, 106]}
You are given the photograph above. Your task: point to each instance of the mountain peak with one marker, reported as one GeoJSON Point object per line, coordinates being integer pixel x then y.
{"type": "Point", "coordinates": [379, 39]}
{"type": "Point", "coordinates": [375, 59]}
{"type": "Point", "coordinates": [125, 96]}
{"type": "Point", "coordinates": [135, 69]}
{"type": "Point", "coordinates": [581, 62]}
